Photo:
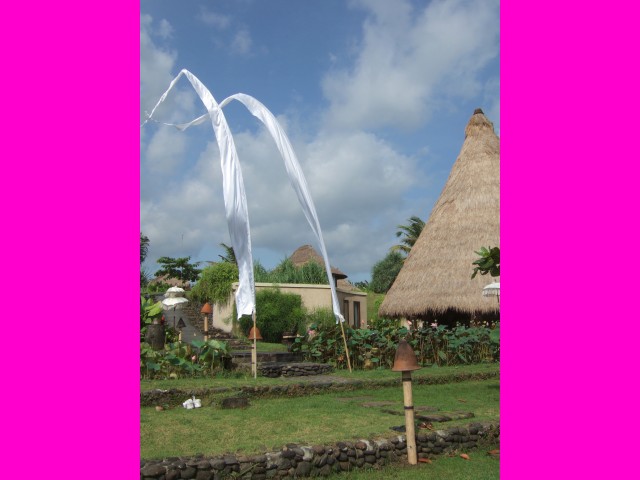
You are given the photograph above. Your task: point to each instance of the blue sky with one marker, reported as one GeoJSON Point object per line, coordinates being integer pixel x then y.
{"type": "Point", "coordinates": [374, 96]}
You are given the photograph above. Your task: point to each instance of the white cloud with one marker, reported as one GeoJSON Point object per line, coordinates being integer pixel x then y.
{"type": "Point", "coordinates": [214, 19]}
{"type": "Point", "coordinates": [410, 60]}
{"type": "Point", "coordinates": [241, 43]}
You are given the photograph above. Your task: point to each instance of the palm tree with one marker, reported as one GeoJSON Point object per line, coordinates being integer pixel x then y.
{"type": "Point", "coordinates": [411, 233]}
{"type": "Point", "coordinates": [144, 247]}
{"type": "Point", "coordinates": [230, 254]}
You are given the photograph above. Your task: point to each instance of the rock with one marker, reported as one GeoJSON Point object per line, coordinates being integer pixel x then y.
{"type": "Point", "coordinates": [188, 472]}
{"type": "Point", "coordinates": [325, 471]}
{"type": "Point", "coordinates": [152, 470]}
{"type": "Point", "coordinates": [218, 464]}
{"type": "Point", "coordinates": [172, 474]}
{"type": "Point", "coordinates": [303, 469]}
{"type": "Point", "coordinates": [204, 475]}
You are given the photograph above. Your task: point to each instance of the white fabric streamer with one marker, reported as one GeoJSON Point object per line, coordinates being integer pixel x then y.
{"type": "Point", "coordinates": [229, 159]}
{"type": "Point", "coordinates": [235, 200]}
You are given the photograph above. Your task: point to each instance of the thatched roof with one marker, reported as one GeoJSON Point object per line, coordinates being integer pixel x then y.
{"type": "Point", "coordinates": [307, 253]}
{"type": "Point", "coordinates": [436, 276]}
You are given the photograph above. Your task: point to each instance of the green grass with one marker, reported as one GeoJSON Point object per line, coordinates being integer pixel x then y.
{"type": "Point", "coordinates": [239, 380]}
{"type": "Point", "coordinates": [268, 424]}
{"type": "Point", "coordinates": [270, 347]}
{"type": "Point", "coordinates": [480, 466]}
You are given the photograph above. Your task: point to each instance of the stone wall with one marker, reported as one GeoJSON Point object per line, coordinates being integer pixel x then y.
{"type": "Point", "coordinates": [294, 461]}
{"type": "Point", "coordinates": [274, 370]}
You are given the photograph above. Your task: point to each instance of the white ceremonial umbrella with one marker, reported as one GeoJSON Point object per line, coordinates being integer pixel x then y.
{"type": "Point", "coordinates": [493, 289]}
{"type": "Point", "coordinates": [174, 292]}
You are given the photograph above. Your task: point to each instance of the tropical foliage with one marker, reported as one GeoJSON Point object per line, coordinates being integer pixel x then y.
{"type": "Point", "coordinates": [409, 234]}
{"type": "Point", "coordinates": [488, 263]}
{"type": "Point", "coordinates": [286, 272]}
{"type": "Point", "coordinates": [276, 313]}
{"type": "Point", "coordinates": [181, 268]}
{"type": "Point", "coordinates": [433, 345]}
{"type": "Point", "coordinates": [144, 249]}
{"type": "Point", "coordinates": [230, 254]}
{"type": "Point", "coordinates": [181, 359]}
{"type": "Point", "coordinates": [215, 283]}
{"type": "Point", "coordinates": [385, 272]}
{"type": "Point", "coordinates": [149, 311]}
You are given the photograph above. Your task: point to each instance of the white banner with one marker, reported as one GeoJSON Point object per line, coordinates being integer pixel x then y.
{"type": "Point", "coordinates": [234, 195]}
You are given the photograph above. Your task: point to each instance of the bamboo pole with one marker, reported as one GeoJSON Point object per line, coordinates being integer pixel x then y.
{"type": "Point", "coordinates": [206, 327]}
{"type": "Point", "coordinates": [346, 349]}
{"type": "Point", "coordinates": [254, 351]}
{"type": "Point", "coordinates": [410, 425]}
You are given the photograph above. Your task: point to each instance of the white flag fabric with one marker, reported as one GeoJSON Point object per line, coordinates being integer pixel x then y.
{"type": "Point", "coordinates": [237, 217]}
{"type": "Point", "coordinates": [235, 200]}
{"type": "Point", "coordinates": [296, 177]}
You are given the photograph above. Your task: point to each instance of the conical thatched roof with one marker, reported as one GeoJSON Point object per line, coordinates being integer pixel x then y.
{"type": "Point", "coordinates": [436, 276]}
{"type": "Point", "coordinates": [307, 253]}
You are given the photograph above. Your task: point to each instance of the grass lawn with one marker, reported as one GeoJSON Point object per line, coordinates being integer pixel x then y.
{"type": "Point", "coordinates": [239, 380]}
{"type": "Point", "coordinates": [270, 423]}
{"type": "Point", "coordinates": [269, 347]}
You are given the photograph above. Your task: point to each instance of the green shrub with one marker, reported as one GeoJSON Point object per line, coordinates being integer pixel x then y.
{"type": "Point", "coordinates": [320, 318]}
{"type": "Point", "coordinates": [215, 283]}
{"type": "Point", "coordinates": [276, 313]}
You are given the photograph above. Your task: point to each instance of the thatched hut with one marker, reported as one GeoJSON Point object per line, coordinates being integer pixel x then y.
{"type": "Point", "coordinates": [435, 280]}
{"type": "Point", "coordinates": [306, 253]}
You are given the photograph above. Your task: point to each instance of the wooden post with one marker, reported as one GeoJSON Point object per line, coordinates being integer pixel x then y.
{"type": "Point", "coordinates": [410, 425]}
{"type": "Point", "coordinates": [346, 349]}
{"type": "Point", "coordinates": [254, 351]}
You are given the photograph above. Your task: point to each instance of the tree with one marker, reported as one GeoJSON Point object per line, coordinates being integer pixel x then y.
{"type": "Point", "coordinates": [489, 262]}
{"type": "Point", "coordinates": [411, 232]}
{"type": "Point", "coordinates": [385, 272]}
{"type": "Point", "coordinates": [230, 254]}
{"type": "Point", "coordinates": [178, 268]}
{"type": "Point", "coordinates": [144, 247]}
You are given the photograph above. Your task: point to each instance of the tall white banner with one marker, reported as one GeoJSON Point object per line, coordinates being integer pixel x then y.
{"type": "Point", "coordinates": [234, 194]}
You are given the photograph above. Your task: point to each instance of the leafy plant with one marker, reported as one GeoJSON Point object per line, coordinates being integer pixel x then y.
{"type": "Point", "coordinates": [215, 283]}
{"type": "Point", "coordinates": [385, 272]}
{"type": "Point", "coordinates": [488, 263]}
{"type": "Point", "coordinates": [149, 311]}
{"type": "Point", "coordinates": [180, 359]}
{"type": "Point", "coordinates": [286, 272]}
{"type": "Point", "coordinates": [276, 313]}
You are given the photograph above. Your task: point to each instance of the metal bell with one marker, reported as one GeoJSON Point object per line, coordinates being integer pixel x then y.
{"type": "Point", "coordinates": [255, 332]}
{"type": "Point", "coordinates": [405, 360]}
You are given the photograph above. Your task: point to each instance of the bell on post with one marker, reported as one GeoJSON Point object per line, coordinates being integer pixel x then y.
{"type": "Point", "coordinates": [405, 360]}
{"type": "Point", "coordinates": [255, 332]}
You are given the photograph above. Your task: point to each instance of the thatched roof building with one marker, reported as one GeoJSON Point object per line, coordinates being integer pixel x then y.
{"type": "Point", "coordinates": [435, 280]}
{"type": "Point", "coordinates": [307, 253]}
